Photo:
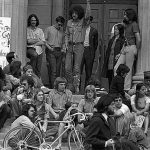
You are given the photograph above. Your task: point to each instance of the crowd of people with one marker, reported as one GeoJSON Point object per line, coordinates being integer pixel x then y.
{"type": "Point", "coordinates": [114, 120]}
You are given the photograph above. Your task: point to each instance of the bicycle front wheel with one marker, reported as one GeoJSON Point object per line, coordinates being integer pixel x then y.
{"type": "Point", "coordinates": [75, 140]}
{"type": "Point", "coordinates": [21, 138]}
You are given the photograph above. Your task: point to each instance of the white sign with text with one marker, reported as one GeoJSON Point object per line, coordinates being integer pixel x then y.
{"type": "Point", "coordinates": [5, 28]}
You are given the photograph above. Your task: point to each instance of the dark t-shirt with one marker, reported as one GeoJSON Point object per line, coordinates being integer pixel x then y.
{"type": "Point", "coordinates": [130, 30]}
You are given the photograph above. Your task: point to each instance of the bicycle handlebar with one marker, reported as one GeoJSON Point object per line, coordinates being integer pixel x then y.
{"type": "Point", "coordinates": [82, 114]}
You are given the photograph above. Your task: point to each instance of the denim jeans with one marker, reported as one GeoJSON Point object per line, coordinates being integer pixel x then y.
{"type": "Point", "coordinates": [54, 62]}
{"type": "Point", "coordinates": [127, 58]}
{"type": "Point", "coordinates": [73, 62]}
{"type": "Point", "coordinates": [35, 60]}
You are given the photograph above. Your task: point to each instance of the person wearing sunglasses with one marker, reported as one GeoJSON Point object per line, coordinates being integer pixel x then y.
{"type": "Point", "coordinates": [22, 95]}
{"type": "Point", "coordinates": [120, 113]}
{"type": "Point", "coordinates": [54, 36]}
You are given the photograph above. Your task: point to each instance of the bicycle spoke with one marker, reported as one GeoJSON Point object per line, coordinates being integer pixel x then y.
{"type": "Point", "coordinates": [21, 138]}
{"type": "Point", "coordinates": [75, 140]}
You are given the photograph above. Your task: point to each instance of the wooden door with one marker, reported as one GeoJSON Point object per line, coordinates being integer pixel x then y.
{"type": "Point", "coordinates": [96, 12]}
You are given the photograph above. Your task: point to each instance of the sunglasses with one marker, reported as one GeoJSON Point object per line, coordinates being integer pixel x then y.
{"type": "Point", "coordinates": [24, 84]}
{"type": "Point", "coordinates": [118, 100]}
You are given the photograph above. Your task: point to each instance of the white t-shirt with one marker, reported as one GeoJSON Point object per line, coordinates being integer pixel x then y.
{"type": "Point", "coordinates": [86, 40]}
{"type": "Point", "coordinates": [147, 100]}
{"type": "Point", "coordinates": [124, 109]}
{"type": "Point", "coordinates": [141, 102]}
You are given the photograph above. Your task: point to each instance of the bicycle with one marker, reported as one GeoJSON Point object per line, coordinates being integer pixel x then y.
{"type": "Point", "coordinates": [23, 137]}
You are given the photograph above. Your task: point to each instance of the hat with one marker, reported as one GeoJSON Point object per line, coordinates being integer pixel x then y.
{"type": "Point", "coordinates": [103, 102]}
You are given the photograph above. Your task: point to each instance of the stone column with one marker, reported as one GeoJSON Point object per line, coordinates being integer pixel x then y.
{"type": "Point", "coordinates": [18, 32]}
{"type": "Point", "coordinates": [17, 10]}
{"type": "Point", "coordinates": [143, 62]}
{"type": "Point", "coordinates": [58, 9]}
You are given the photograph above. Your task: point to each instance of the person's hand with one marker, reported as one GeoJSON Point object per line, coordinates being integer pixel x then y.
{"type": "Point", "coordinates": [20, 96]}
{"type": "Point", "coordinates": [110, 142]}
{"type": "Point", "coordinates": [56, 116]}
{"type": "Point", "coordinates": [20, 90]}
{"type": "Point", "coordinates": [50, 47]}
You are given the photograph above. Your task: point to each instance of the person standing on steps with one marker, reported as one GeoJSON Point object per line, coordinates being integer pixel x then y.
{"type": "Point", "coordinates": [90, 46]}
{"type": "Point", "coordinates": [74, 41]}
{"type": "Point", "coordinates": [54, 36]}
{"type": "Point", "coordinates": [131, 46]}
{"type": "Point", "coordinates": [35, 43]}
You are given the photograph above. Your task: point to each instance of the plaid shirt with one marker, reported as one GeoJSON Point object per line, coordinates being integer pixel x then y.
{"type": "Point", "coordinates": [58, 100]}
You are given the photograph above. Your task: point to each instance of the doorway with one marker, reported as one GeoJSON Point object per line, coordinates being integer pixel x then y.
{"type": "Point", "coordinates": [106, 14]}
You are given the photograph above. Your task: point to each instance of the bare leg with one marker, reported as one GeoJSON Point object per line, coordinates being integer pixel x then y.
{"type": "Point", "coordinates": [60, 131]}
{"type": "Point", "coordinates": [146, 122]}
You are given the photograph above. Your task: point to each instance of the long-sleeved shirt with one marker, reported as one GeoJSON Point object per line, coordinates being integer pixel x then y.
{"type": "Point", "coordinates": [22, 121]}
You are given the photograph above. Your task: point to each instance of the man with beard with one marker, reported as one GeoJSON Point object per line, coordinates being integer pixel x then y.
{"type": "Point", "coordinates": [35, 43]}
{"type": "Point", "coordinates": [131, 46]}
{"type": "Point", "coordinates": [102, 126]}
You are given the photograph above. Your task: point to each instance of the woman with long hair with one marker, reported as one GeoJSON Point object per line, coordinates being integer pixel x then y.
{"type": "Point", "coordinates": [113, 52]}
{"type": "Point", "coordinates": [140, 104]}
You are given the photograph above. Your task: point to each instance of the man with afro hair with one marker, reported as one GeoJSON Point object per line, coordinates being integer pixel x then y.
{"type": "Point", "coordinates": [74, 44]}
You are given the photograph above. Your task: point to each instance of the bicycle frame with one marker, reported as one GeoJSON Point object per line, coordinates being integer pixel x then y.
{"type": "Point", "coordinates": [69, 125]}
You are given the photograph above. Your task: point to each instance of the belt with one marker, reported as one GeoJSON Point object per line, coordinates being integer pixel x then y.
{"type": "Point", "coordinates": [75, 43]}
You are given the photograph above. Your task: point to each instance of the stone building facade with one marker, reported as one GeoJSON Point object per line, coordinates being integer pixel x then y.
{"type": "Point", "coordinates": [105, 12]}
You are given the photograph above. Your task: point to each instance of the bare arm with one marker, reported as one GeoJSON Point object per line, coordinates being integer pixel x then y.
{"type": "Point", "coordinates": [118, 113]}
{"type": "Point", "coordinates": [134, 108]}
{"type": "Point", "coordinates": [138, 40]}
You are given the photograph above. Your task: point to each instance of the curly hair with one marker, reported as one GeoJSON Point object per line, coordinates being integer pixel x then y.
{"type": "Point", "coordinates": [77, 9]}
{"type": "Point", "coordinates": [26, 108]}
{"type": "Point", "coordinates": [29, 20]}
{"type": "Point", "coordinates": [28, 78]}
{"type": "Point", "coordinates": [131, 14]}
